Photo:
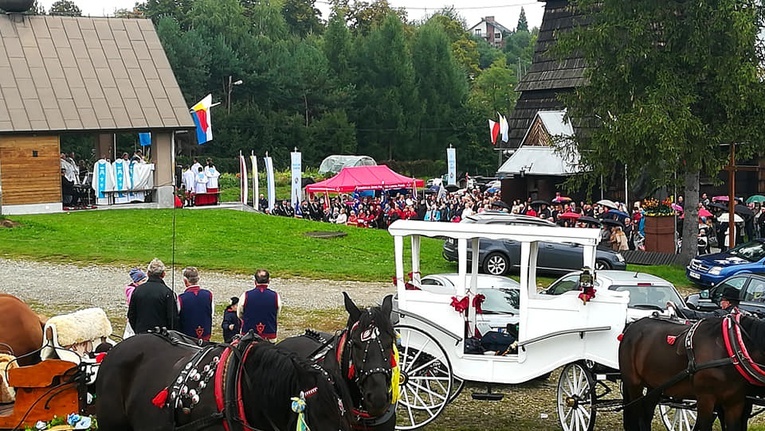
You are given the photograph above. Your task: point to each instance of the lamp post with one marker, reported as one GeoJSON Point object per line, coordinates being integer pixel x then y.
{"type": "Point", "coordinates": [230, 87]}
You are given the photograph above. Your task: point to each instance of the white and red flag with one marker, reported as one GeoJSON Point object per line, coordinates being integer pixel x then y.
{"type": "Point", "coordinates": [494, 129]}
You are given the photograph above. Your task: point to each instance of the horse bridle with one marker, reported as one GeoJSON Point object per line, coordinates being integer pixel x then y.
{"type": "Point", "coordinates": [368, 335]}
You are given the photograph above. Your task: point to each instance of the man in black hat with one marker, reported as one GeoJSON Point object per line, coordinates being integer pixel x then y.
{"type": "Point", "coordinates": [729, 301]}
{"type": "Point", "coordinates": [231, 323]}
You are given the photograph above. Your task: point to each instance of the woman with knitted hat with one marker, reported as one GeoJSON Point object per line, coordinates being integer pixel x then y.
{"type": "Point", "coordinates": [137, 277]}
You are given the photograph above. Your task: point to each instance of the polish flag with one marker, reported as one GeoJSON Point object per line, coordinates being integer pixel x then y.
{"type": "Point", "coordinates": [494, 129]}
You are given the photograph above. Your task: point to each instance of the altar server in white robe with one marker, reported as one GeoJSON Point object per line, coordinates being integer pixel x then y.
{"type": "Point", "coordinates": [122, 179]}
{"type": "Point", "coordinates": [212, 177]}
{"type": "Point", "coordinates": [136, 179]}
{"type": "Point", "coordinates": [103, 181]}
{"type": "Point", "coordinates": [200, 185]}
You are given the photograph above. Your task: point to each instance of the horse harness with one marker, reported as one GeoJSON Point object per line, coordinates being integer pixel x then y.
{"type": "Point", "coordinates": [222, 367]}
{"type": "Point", "coordinates": [362, 418]}
{"type": "Point", "coordinates": [737, 355]}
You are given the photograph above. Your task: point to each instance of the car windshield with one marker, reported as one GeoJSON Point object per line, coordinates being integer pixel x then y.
{"type": "Point", "coordinates": [751, 251]}
{"type": "Point", "coordinates": [500, 301]}
{"type": "Point", "coordinates": [650, 295]}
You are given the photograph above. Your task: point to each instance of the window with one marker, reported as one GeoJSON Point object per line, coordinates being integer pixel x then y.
{"type": "Point", "coordinates": [755, 291]}
{"type": "Point", "coordinates": [497, 36]}
{"type": "Point", "coordinates": [735, 282]}
{"type": "Point", "coordinates": [478, 32]}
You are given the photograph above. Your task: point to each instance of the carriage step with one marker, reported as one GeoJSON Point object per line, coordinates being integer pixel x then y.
{"type": "Point", "coordinates": [487, 396]}
{"type": "Point", "coordinates": [609, 405]}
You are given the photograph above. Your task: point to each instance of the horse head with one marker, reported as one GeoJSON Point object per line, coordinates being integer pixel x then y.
{"type": "Point", "coordinates": [367, 356]}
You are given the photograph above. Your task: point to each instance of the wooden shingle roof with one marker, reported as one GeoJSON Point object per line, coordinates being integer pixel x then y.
{"type": "Point", "coordinates": [548, 76]}
{"type": "Point", "coordinates": [62, 74]}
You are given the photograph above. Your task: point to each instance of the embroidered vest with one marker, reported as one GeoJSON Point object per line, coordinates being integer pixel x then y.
{"type": "Point", "coordinates": [196, 313]}
{"type": "Point", "coordinates": [260, 308]}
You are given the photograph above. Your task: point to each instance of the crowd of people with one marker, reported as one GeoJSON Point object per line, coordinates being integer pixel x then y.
{"type": "Point", "coordinates": [152, 304]}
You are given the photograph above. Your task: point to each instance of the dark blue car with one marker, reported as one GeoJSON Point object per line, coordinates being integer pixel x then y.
{"type": "Point", "coordinates": [711, 269]}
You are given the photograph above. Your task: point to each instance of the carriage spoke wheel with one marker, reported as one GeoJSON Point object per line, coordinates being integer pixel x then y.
{"type": "Point", "coordinates": [426, 384]}
{"type": "Point", "coordinates": [678, 417]}
{"type": "Point", "coordinates": [576, 395]}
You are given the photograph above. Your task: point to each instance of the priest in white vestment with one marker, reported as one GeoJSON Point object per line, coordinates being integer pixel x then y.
{"type": "Point", "coordinates": [103, 181]}
{"type": "Point", "coordinates": [122, 179]}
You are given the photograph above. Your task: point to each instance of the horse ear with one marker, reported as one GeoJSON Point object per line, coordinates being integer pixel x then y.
{"type": "Point", "coordinates": [387, 305]}
{"type": "Point", "coordinates": [353, 310]}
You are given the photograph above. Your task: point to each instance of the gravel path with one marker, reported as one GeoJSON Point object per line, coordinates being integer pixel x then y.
{"type": "Point", "coordinates": [78, 287]}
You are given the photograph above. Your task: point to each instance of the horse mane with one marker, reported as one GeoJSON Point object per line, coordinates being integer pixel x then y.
{"type": "Point", "coordinates": [755, 330]}
{"type": "Point", "coordinates": [278, 375]}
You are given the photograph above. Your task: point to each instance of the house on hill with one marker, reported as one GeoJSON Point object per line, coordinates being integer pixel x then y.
{"type": "Point", "coordinates": [99, 76]}
{"type": "Point", "coordinates": [491, 31]}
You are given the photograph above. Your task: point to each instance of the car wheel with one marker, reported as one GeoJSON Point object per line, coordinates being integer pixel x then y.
{"type": "Point", "coordinates": [601, 265]}
{"type": "Point", "coordinates": [496, 264]}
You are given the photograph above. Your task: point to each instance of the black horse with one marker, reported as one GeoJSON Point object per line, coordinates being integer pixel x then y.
{"type": "Point", "coordinates": [692, 362]}
{"type": "Point", "coordinates": [363, 354]}
{"type": "Point", "coordinates": [164, 382]}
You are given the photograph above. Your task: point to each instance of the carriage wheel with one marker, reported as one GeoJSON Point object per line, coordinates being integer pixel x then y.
{"type": "Point", "coordinates": [457, 387]}
{"type": "Point", "coordinates": [576, 395]}
{"type": "Point", "coordinates": [426, 379]}
{"type": "Point", "coordinates": [678, 417]}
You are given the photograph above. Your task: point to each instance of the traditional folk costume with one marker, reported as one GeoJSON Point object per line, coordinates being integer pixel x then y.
{"type": "Point", "coordinates": [258, 309]}
{"type": "Point", "coordinates": [196, 312]}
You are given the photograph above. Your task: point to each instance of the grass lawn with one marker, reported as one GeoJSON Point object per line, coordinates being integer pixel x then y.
{"type": "Point", "coordinates": [226, 240]}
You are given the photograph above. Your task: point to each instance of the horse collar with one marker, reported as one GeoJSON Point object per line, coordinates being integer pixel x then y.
{"type": "Point", "coordinates": [737, 351]}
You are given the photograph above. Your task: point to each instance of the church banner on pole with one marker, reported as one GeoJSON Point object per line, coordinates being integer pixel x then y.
{"type": "Point", "coordinates": [270, 181]}
{"type": "Point", "coordinates": [255, 182]}
{"type": "Point", "coordinates": [297, 178]}
{"type": "Point", "coordinates": [243, 178]}
{"type": "Point", "coordinates": [451, 164]}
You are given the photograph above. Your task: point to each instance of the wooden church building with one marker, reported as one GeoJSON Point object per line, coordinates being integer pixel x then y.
{"type": "Point", "coordinates": [99, 76]}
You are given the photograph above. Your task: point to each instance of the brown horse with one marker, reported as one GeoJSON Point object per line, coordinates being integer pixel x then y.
{"type": "Point", "coordinates": [21, 330]}
{"type": "Point", "coordinates": [649, 359]}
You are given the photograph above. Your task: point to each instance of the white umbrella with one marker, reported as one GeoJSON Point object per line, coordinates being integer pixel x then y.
{"type": "Point", "coordinates": [725, 217]}
{"type": "Point", "coordinates": [608, 203]}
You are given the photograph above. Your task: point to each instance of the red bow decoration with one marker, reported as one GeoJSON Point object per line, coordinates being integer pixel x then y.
{"type": "Point", "coordinates": [460, 305]}
{"type": "Point", "coordinates": [477, 301]}
{"type": "Point", "coordinates": [587, 294]}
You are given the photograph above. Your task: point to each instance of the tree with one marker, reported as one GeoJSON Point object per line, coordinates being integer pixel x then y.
{"type": "Point", "coordinates": [65, 8]}
{"type": "Point", "coordinates": [671, 86]}
{"type": "Point", "coordinates": [493, 90]}
{"type": "Point", "coordinates": [158, 9]}
{"type": "Point", "coordinates": [523, 24]}
{"type": "Point", "coordinates": [302, 17]}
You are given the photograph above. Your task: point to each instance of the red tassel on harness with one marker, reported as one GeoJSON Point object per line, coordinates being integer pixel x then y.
{"type": "Point", "coordinates": [351, 371]}
{"type": "Point", "coordinates": [160, 399]}
{"type": "Point", "coordinates": [100, 357]}
{"type": "Point", "coordinates": [671, 339]}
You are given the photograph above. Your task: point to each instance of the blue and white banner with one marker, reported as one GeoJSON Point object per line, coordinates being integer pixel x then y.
{"type": "Point", "coordinates": [451, 164]}
{"type": "Point", "coordinates": [297, 178]}
{"type": "Point", "coordinates": [255, 181]}
{"type": "Point", "coordinates": [144, 139]}
{"type": "Point", "coordinates": [271, 183]}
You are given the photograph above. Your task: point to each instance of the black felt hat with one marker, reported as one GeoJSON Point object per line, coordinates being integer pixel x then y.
{"type": "Point", "coordinates": [234, 300]}
{"type": "Point", "coordinates": [731, 294]}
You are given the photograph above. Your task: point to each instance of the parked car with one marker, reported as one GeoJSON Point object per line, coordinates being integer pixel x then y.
{"type": "Point", "coordinates": [648, 293]}
{"type": "Point", "coordinates": [501, 303]}
{"type": "Point", "coordinates": [751, 289]}
{"type": "Point", "coordinates": [499, 257]}
{"type": "Point", "coordinates": [710, 269]}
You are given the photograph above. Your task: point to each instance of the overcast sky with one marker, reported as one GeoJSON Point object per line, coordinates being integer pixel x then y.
{"type": "Point", "coordinates": [504, 11]}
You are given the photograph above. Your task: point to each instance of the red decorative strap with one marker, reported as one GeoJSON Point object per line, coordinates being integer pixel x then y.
{"type": "Point", "coordinates": [477, 301]}
{"type": "Point", "coordinates": [737, 351]}
{"type": "Point", "coordinates": [671, 339]}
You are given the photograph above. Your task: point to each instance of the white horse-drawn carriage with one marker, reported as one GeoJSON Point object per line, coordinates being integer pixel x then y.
{"type": "Point", "coordinates": [581, 335]}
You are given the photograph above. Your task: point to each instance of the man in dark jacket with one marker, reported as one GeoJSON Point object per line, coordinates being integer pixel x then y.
{"type": "Point", "coordinates": [195, 307]}
{"type": "Point", "coordinates": [153, 304]}
{"type": "Point", "coordinates": [259, 307]}
{"type": "Point", "coordinates": [729, 301]}
{"type": "Point", "coordinates": [231, 325]}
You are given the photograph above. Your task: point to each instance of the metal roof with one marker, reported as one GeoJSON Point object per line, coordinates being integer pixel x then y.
{"type": "Point", "coordinates": [538, 160]}
{"type": "Point", "coordinates": [85, 74]}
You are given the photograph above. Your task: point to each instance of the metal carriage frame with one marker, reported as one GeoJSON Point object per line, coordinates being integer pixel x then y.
{"type": "Point", "coordinates": [554, 331]}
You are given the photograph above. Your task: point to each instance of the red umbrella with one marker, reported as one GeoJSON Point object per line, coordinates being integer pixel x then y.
{"type": "Point", "coordinates": [569, 215]}
{"type": "Point", "coordinates": [720, 199]}
{"type": "Point", "coordinates": [562, 199]}
{"type": "Point", "coordinates": [704, 213]}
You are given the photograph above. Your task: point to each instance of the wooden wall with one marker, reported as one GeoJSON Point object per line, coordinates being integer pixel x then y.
{"type": "Point", "coordinates": [30, 169]}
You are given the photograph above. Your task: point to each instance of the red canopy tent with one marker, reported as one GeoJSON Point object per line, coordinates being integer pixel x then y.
{"type": "Point", "coordinates": [354, 178]}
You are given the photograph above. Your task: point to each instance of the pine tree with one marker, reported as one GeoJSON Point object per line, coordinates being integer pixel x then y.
{"type": "Point", "coordinates": [523, 23]}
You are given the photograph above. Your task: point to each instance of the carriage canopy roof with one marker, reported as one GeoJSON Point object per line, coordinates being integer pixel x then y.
{"type": "Point", "coordinates": [355, 178]}
{"type": "Point", "coordinates": [337, 162]}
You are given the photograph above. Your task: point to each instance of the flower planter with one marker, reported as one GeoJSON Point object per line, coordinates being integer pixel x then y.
{"type": "Point", "coordinates": [660, 234]}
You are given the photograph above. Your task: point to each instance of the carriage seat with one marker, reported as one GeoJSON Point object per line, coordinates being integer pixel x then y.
{"type": "Point", "coordinates": [73, 337]}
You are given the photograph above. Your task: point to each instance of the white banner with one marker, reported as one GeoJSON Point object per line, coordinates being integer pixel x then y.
{"type": "Point", "coordinates": [243, 183]}
{"type": "Point", "coordinates": [451, 165]}
{"type": "Point", "coordinates": [255, 181]}
{"type": "Point", "coordinates": [297, 179]}
{"type": "Point", "coordinates": [271, 183]}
